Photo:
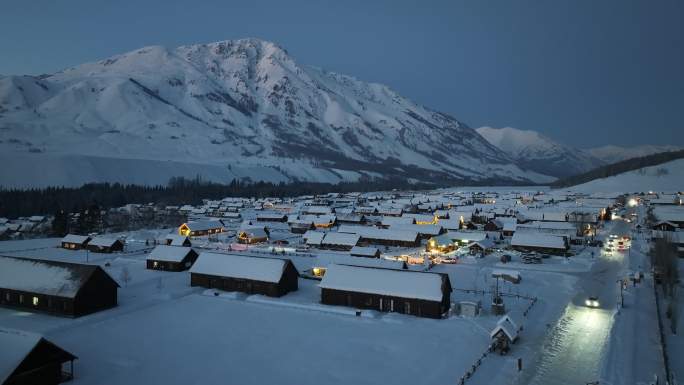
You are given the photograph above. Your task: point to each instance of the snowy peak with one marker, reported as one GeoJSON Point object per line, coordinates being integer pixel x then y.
{"type": "Point", "coordinates": [244, 106]}
{"type": "Point", "coordinates": [538, 152]}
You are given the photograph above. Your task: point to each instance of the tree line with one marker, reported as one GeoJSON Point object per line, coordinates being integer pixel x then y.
{"type": "Point", "coordinates": [179, 191]}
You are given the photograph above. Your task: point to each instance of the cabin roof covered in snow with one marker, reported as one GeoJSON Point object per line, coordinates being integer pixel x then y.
{"type": "Point", "coordinates": [239, 266]}
{"type": "Point", "coordinates": [16, 345]}
{"type": "Point", "coordinates": [102, 241]}
{"type": "Point", "coordinates": [344, 239]}
{"type": "Point", "coordinates": [204, 225]}
{"type": "Point", "coordinates": [176, 239]}
{"type": "Point", "coordinates": [467, 235]}
{"type": "Point", "coordinates": [534, 239]}
{"type": "Point", "coordinates": [375, 233]}
{"type": "Point", "coordinates": [60, 279]}
{"type": "Point", "coordinates": [396, 283]}
{"type": "Point", "coordinates": [73, 238]}
{"type": "Point", "coordinates": [365, 251]}
{"type": "Point", "coordinates": [169, 253]}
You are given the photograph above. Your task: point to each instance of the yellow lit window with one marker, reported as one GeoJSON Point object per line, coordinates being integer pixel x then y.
{"type": "Point", "coordinates": [35, 301]}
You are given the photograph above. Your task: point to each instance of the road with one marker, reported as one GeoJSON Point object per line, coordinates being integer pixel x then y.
{"type": "Point", "coordinates": [576, 346]}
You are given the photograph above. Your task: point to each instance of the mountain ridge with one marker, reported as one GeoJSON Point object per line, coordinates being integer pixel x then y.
{"type": "Point", "coordinates": [242, 104]}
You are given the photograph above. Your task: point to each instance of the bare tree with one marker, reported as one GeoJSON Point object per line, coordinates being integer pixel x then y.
{"type": "Point", "coordinates": [125, 276]}
{"type": "Point", "coordinates": [664, 259]}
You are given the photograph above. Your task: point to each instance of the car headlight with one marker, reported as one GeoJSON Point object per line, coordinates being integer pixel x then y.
{"type": "Point", "coordinates": [587, 302]}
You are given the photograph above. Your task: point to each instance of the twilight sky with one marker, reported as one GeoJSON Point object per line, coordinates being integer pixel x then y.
{"type": "Point", "coordinates": [583, 72]}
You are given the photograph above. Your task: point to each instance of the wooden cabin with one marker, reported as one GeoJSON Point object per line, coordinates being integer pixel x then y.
{"type": "Point", "coordinates": [75, 242]}
{"type": "Point", "coordinates": [539, 242]}
{"type": "Point", "coordinates": [252, 235]}
{"type": "Point", "coordinates": [200, 228]}
{"type": "Point", "coordinates": [400, 291]}
{"type": "Point", "coordinates": [105, 245]}
{"type": "Point", "coordinates": [28, 359]}
{"type": "Point", "coordinates": [171, 258]}
{"type": "Point", "coordinates": [253, 275]}
{"type": "Point", "coordinates": [62, 288]}
{"type": "Point", "coordinates": [385, 237]}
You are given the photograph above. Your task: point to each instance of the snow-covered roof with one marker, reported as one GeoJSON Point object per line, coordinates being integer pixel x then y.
{"type": "Point", "coordinates": [473, 236]}
{"type": "Point", "coordinates": [73, 238]}
{"type": "Point", "coordinates": [239, 266]}
{"type": "Point", "coordinates": [420, 229]}
{"type": "Point", "coordinates": [533, 239]}
{"type": "Point", "coordinates": [169, 253]}
{"type": "Point", "coordinates": [450, 224]}
{"type": "Point", "coordinates": [176, 239]}
{"type": "Point", "coordinates": [375, 233]}
{"type": "Point", "coordinates": [343, 239]}
{"type": "Point", "coordinates": [204, 225]}
{"type": "Point", "coordinates": [313, 237]}
{"type": "Point", "coordinates": [44, 277]}
{"type": "Point", "coordinates": [396, 283]}
{"type": "Point", "coordinates": [483, 244]}
{"type": "Point", "coordinates": [364, 251]}
{"type": "Point", "coordinates": [16, 345]}
{"type": "Point", "coordinates": [102, 241]}
{"type": "Point", "coordinates": [506, 329]}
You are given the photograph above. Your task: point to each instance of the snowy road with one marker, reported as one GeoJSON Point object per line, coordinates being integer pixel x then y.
{"type": "Point", "coordinates": [576, 347]}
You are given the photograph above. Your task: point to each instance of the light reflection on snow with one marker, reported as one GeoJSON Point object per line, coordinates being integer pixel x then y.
{"type": "Point", "coordinates": [576, 347]}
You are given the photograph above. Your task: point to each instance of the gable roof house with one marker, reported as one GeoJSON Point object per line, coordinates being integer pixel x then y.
{"type": "Point", "coordinates": [386, 290]}
{"type": "Point", "coordinates": [75, 242]}
{"type": "Point", "coordinates": [62, 288]}
{"type": "Point", "coordinates": [102, 244]}
{"type": "Point", "coordinates": [387, 237]}
{"type": "Point", "coordinates": [171, 258]}
{"type": "Point", "coordinates": [176, 240]}
{"type": "Point", "coordinates": [200, 228]}
{"type": "Point", "coordinates": [272, 277]}
{"type": "Point", "coordinates": [28, 358]}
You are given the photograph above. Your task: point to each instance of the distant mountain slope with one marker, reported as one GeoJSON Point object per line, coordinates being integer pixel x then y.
{"type": "Point", "coordinates": [539, 153]}
{"type": "Point", "coordinates": [631, 172]}
{"type": "Point", "coordinates": [612, 154]}
{"type": "Point", "coordinates": [665, 177]}
{"type": "Point", "coordinates": [245, 106]}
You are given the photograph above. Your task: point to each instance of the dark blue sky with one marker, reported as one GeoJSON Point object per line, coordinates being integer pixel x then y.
{"type": "Point", "coordinates": [584, 72]}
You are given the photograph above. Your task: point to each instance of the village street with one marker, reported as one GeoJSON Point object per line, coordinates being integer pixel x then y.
{"type": "Point", "coordinates": [578, 349]}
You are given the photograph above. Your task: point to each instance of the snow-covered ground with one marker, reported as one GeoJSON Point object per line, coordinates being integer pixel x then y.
{"type": "Point", "coordinates": [254, 339]}
{"type": "Point", "coordinates": [663, 177]}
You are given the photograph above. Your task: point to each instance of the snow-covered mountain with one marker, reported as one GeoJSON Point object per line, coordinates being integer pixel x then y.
{"type": "Point", "coordinates": [611, 154]}
{"type": "Point", "coordinates": [537, 152]}
{"type": "Point", "coordinates": [241, 108]}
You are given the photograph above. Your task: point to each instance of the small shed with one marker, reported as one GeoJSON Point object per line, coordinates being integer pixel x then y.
{"type": "Point", "coordinates": [272, 277]}
{"type": "Point", "coordinates": [75, 242]}
{"type": "Point", "coordinates": [469, 308]}
{"type": "Point", "coordinates": [28, 358]}
{"type": "Point", "coordinates": [171, 258]}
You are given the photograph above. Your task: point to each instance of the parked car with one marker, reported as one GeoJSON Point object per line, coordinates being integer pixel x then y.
{"type": "Point", "coordinates": [505, 258]}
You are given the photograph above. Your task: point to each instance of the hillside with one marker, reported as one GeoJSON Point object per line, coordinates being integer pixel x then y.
{"type": "Point", "coordinates": [230, 109]}
{"type": "Point", "coordinates": [537, 152]}
{"type": "Point", "coordinates": [657, 172]}
{"type": "Point", "coordinates": [613, 154]}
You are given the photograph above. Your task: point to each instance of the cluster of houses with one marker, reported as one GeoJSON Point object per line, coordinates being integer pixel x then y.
{"type": "Point", "coordinates": [23, 227]}
{"type": "Point", "coordinates": [668, 210]}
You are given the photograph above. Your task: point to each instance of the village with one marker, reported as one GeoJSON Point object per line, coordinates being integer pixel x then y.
{"type": "Point", "coordinates": [477, 275]}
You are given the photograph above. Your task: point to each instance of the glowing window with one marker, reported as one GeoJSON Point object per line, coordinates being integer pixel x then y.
{"type": "Point", "coordinates": [35, 301]}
